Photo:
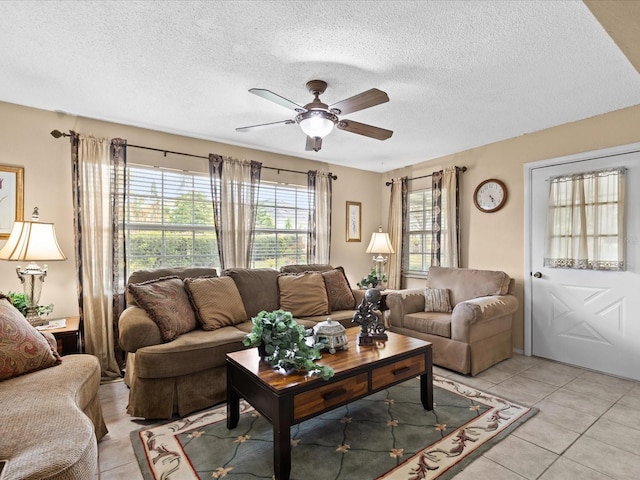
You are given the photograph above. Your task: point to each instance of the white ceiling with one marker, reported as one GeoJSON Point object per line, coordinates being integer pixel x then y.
{"type": "Point", "coordinates": [459, 74]}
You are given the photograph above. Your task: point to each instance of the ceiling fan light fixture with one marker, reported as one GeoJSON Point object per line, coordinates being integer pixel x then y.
{"type": "Point", "coordinates": [316, 123]}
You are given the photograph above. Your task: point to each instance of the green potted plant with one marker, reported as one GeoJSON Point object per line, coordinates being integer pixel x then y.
{"type": "Point", "coordinates": [285, 344]}
{"type": "Point", "coordinates": [18, 301]}
{"type": "Point", "coordinates": [372, 280]}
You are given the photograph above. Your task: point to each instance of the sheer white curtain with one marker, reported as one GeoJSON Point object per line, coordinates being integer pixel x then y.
{"type": "Point", "coordinates": [319, 241]}
{"type": "Point", "coordinates": [95, 179]}
{"type": "Point", "coordinates": [585, 221]}
{"type": "Point", "coordinates": [234, 185]}
{"type": "Point", "coordinates": [450, 232]}
{"type": "Point", "coordinates": [397, 218]}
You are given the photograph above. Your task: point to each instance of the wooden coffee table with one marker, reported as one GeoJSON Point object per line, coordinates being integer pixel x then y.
{"type": "Point", "coordinates": [286, 400]}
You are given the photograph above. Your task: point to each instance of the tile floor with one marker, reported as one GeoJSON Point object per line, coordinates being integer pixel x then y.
{"type": "Point", "coordinates": [588, 426]}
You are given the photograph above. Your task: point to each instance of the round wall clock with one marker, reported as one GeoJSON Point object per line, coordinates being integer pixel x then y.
{"type": "Point", "coordinates": [490, 195]}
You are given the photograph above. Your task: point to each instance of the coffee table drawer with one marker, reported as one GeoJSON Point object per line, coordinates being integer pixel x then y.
{"type": "Point", "coordinates": [404, 369]}
{"type": "Point", "coordinates": [316, 400]}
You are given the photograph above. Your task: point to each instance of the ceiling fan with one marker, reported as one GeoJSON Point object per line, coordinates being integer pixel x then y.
{"type": "Point", "coordinates": [317, 119]}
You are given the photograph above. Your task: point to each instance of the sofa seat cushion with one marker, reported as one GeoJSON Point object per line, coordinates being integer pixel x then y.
{"type": "Point", "coordinates": [23, 349]}
{"type": "Point", "coordinates": [217, 301]}
{"type": "Point", "coordinates": [303, 294]}
{"type": "Point", "coordinates": [466, 283]}
{"type": "Point", "coordinates": [433, 323]}
{"type": "Point", "coordinates": [258, 288]}
{"type": "Point", "coordinates": [191, 352]}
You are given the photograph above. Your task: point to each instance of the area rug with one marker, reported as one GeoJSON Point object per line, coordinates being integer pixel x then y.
{"type": "Point", "coordinates": [387, 435]}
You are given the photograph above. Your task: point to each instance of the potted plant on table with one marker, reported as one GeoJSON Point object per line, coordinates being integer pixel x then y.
{"type": "Point", "coordinates": [373, 280]}
{"type": "Point", "coordinates": [18, 300]}
{"type": "Point", "coordinates": [285, 343]}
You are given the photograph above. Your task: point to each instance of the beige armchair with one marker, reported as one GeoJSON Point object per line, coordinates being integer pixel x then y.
{"type": "Point", "coordinates": [476, 333]}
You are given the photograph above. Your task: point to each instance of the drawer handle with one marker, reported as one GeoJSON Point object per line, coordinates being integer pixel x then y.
{"type": "Point", "coordinates": [402, 370]}
{"type": "Point", "coordinates": [334, 394]}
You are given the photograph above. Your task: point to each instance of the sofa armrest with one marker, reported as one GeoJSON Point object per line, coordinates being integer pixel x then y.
{"type": "Point", "coordinates": [473, 313]}
{"type": "Point", "coordinates": [402, 302]}
{"type": "Point", "coordinates": [137, 330]}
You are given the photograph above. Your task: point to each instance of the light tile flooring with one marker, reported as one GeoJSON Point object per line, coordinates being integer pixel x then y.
{"type": "Point", "coordinates": [588, 426]}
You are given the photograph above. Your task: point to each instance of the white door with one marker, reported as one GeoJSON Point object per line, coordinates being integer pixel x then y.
{"type": "Point", "coordinates": [583, 317]}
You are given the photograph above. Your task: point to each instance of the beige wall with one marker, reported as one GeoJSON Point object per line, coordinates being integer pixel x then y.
{"type": "Point", "coordinates": [25, 142]}
{"type": "Point", "coordinates": [496, 240]}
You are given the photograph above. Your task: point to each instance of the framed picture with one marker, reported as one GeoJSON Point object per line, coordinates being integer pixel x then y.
{"type": "Point", "coordinates": [11, 198]}
{"type": "Point", "coordinates": [354, 219]}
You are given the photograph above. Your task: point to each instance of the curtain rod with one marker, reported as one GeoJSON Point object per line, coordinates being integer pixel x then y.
{"type": "Point", "coordinates": [461, 169]}
{"type": "Point", "coordinates": [58, 134]}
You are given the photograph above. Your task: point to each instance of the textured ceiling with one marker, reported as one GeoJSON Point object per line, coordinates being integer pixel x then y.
{"type": "Point", "coordinates": [458, 74]}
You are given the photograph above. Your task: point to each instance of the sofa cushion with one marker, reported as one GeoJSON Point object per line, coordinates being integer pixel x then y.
{"type": "Point", "coordinates": [23, 349]}
{"type": "Point", "coordinates": [433, 323]}
{"type": "Point", "coordinates": [437, 300]}
{"type": "Point", "coordinates": [303, 294]}
{"type": "Point", "coordinates": [140, 276]}
{"type": "Point", "coordinates": [338, 290]}
{"type": "Point", "coordinates": [258, 288]}
{"type": "Point", "coordinates": [217, 301]}
{"type": "Point", "coordinates": [166, 301]}
{"type": "Point", "coordinates": [466, 283]}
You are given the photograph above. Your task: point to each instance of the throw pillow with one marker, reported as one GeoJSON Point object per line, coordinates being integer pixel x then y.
{"type": "Point", "coordinates": [166, 301]}
{"type": "Point", "coordinates": [338, 290]}
{"type": "Point", "coordinates": [23, 349]}
{"type": "Point", "coordinates": [303, 294]}
{"type": "Point", "coordinates": [217, 301]}
{"type": "Point", "coordinates": [437, 300]}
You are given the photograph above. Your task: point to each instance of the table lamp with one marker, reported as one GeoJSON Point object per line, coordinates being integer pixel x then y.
{"type": "Point", "coordinates": [380, 244]}
{"type": "Point", "coordinates": [32, 242]}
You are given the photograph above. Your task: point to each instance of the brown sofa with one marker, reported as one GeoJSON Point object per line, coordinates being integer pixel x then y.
{"type": "Point", "coordinates": [189, 372]}
{"type": "Point", "coordinates": [476, 334]}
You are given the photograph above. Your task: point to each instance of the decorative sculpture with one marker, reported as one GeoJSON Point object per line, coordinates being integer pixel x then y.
{"type": "Point", "coordinates": [369, 317]}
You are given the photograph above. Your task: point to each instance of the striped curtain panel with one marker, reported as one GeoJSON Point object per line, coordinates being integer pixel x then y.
{"type": "Point", "coordinates": [319, 240]}
{"type": "Point", "coordinates": [445, 240]}
{"type": "Point", "coordinates": [397, 229]}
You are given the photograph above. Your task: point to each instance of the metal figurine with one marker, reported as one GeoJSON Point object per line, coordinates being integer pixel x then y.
{"type": "Point", "coordinates": [369, 317]}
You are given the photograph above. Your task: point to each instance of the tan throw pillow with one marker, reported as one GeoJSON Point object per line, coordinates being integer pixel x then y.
{"type": "Point", "coordinates": [23, 349]}
{"type": "Point", "coordinates": [217, 301]}
{"type": "Point", "coordinates": [437, 300]}
{"type": "Point", "coordinates": [303, 294]}
{"type": "Point", "coordinates": [166, 302]}
{"type": "Point", "coordinates": [338, 290]}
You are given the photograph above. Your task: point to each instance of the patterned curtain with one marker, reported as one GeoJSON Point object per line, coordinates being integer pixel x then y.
{"type": "Point", "coordinates": [397, 229]}
{"type": "Point", "coordinates": [319, 239]}
{"type": "Point", "coordinates": [234, 188]}
{"type": "Point", "coordinates": [585, 221]}
{"type": "Point", "coordinates": [445, 240]}
{"type": "Point", "coordinates": [98, 167]}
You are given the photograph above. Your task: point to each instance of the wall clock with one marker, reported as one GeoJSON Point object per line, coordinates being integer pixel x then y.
{"type": "Point", "coordinates": [490, 195]}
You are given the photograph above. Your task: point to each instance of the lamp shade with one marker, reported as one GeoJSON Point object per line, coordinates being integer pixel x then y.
{"type": "Point", "coordinates": [32, 242]}
{"type": "Point", "coordinates": [380, 243]}
{"type": "Point", "coordinates": [316, 123]}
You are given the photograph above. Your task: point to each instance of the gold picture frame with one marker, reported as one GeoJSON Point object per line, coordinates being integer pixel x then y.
{"type": "Point", "coordinates": [354, 222]}
{"type": "Point", "coordinates": [11, 198]}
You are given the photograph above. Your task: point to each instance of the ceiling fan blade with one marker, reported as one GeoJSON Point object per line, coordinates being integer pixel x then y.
{"type": "Point", "coordinates": [363, 100]}
{"type": "Point", "coordinates": [265, 125]}
{"type": "Point", "coordinates": [313, 143]}
{"type": "Point", "coordinates": [364, 129]}
{"type": "Point", "coordinates": [274, 97]}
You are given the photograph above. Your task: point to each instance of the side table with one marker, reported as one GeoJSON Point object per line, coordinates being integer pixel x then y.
{"type": "Point", "coordinates": [69, 337]}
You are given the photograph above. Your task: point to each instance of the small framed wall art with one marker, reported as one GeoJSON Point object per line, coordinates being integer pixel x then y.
{"type": "Point", "coordinates": [354, 219]}
{"type": "Point", "coordinates": [11, 198]}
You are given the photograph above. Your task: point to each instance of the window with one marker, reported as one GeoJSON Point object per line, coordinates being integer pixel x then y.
{"type": "Point", "coordinates": [282, 225]}
{"type": "Point", "coordinates": [169, 220]}
{"type": "Point", "coordinates": [585, 221]}
{"type": "Point", "coordinates": [420, 229]}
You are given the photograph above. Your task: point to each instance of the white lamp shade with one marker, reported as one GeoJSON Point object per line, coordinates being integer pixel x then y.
{"type": "Point", "coordinates": [33, 242]}
{"type": "Point", "coordinates": [380, 243]}
{"type": "Point", "coordinates": [316, 123]}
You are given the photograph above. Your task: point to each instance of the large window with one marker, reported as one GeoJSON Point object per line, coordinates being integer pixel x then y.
{"type": "Point", "coordinates": [419, 234]}
{"type": "Point", "coordinates": [282, 225]}
{"type": "Point", "coordinates": [169, 220]}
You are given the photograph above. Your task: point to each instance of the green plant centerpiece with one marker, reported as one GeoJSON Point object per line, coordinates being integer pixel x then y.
{"type": "Point", "coordinates": [285, 343]}
{"type": "Point", "coordinates": [372, 280]}
{"type": "Point", "coordinates": [18, 301]}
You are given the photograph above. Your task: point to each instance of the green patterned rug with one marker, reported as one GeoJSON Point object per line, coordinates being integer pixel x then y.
{"type": "Point", "coordinates": [387, 435]}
